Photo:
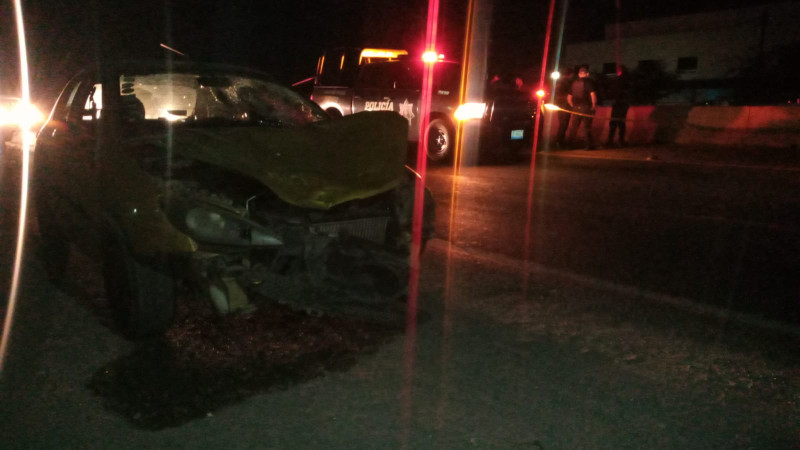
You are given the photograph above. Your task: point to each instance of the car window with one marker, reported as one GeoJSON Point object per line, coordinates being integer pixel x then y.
{"type": "Point", "coordinates": [406, 77]}
{"type": "Point", "coordinates": [64, 102]}
{"type": "Point", "coordinates": [194, 98]}
{"type": "Point", "coordinates": [447, 77]}
{"type": "Point", "coordinates": [85, 103]}
{"type": "Point", "coordinates": [376, 76]}
{"type": "Point", "coordinates": [93, 105]}
{"type": "Point", "coordinates": [72, 94]}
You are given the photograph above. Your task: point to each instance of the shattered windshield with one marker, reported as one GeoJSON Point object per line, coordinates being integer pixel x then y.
{"type": "Point", "coordinates": [209, 100]}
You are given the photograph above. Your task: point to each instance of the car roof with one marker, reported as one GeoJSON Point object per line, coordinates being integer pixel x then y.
{"type": "Point", "coordinates": [409, 62]}
{"type": "Point", "coordinates": [163, 66]}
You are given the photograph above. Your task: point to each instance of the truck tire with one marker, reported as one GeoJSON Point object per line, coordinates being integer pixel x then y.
{"type": "Point", "coordinates": [141, 295]}
{"type": "Point", "coordinates": [441, 141]}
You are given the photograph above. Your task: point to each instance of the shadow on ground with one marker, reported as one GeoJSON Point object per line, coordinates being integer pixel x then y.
{"type": "Point", "coordinates": [207, 362]}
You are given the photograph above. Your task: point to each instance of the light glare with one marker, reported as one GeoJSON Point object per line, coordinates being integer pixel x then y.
{"type": "Point", "coordinates": [555, 75]}
{"type": "Point", "coordinates": [381, 53]}
{"type": "Point", "coordinates": [27, 141]}
{"type": "Point", "coordinates": [430, 56]}
{"type": "Point", "coordinates": [23, 115]}
{"type": "Point", "coordinates": [469, 111]}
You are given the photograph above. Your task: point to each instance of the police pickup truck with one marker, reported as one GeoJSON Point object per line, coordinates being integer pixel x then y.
{"type": "Point", "coordinates": [349, 81]}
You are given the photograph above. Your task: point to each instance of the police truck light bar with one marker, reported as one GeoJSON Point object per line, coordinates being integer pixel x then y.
{"type": "Point", "coordinates": [382, 53]}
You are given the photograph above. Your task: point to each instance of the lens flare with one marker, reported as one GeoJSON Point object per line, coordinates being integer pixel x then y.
{"type": "Point", "coordinates": [446, 347]}
{"type": "Point", "coordinates": [563, 21]}
{"type": "Point", "coordinates": [469, 111]}
{"type": "Point", "coordinates": [430, 57]}
{"type": "Point", "coordinates": [529, 212]}
{"type": "Point", "coordinates": [409, 349]}
{"type": "Point", "coordinates": [23, 115]}
{"type": "Point", "coordinates": [27, 140]}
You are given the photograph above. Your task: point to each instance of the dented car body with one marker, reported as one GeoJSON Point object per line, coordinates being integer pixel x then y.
{"type": "Point", "coordinates": [217, 176]}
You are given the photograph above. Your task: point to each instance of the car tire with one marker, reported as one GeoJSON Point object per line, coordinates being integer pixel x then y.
{"type": "Point", "coordinates": [441, 141]}
{"type": "Point", "coordinates": [141, 295]}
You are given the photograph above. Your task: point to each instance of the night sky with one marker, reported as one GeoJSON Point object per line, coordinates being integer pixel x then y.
{"type": "Point", "coordinates": [284, 38]}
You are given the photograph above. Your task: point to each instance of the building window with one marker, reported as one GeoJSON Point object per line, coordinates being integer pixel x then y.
{"type": "Point", "coordinates": [687, 64]}
{"type": "Point", "coordinates": [650, 65]}
{"type": "Point", "coordinates": [609, 68]}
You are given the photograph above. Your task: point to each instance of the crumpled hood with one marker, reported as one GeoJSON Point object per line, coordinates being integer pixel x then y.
{"type": "Point", "coordinates": [319, 165]}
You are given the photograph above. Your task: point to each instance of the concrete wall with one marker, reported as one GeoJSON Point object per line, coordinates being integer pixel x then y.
{"type": "Point", "coordinates": [762, 126]}
{"type": "Point", "coordinates": [722, 41]}
{"type": "Point", "coordinates": [735, 126]}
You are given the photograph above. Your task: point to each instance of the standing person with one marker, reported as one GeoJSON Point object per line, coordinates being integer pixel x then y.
{"type": "Point", "coordinates": [582, 98]}
{"type": "Point", "coordinates": [562, 90]}
{"type": "Point", "coordinates": [620, 92]}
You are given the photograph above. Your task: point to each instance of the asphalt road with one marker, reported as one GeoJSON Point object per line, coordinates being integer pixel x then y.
{"type": "Point", "coordinates": [722, 234]}
{"type": "Point", "coordinates": [503, 357]}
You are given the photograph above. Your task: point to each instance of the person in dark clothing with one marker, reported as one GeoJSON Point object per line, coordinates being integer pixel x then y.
{"type": "Point", "coordinates": [582, 98]}
{"type": "Point", "coordinates": [620, 92]}
{"type": "Point", "coordinates": [562, 90]}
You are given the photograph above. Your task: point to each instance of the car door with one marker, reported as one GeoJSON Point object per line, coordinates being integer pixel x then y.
{"type": "Point", "coordinates": [66, 157]}
{"type": "Point", "coordinates": [406, 95]}
{"type": "Point", "coordinates": [374, 88]}
{"type": "Point", "coordinates": [390, 86]}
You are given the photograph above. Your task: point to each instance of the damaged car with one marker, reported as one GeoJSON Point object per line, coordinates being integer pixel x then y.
{"type": "Point", "coordinates": [217, 177]}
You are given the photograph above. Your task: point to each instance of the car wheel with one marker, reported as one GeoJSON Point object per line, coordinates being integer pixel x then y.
{"type": "Point", "coordinates": [141, 295]}
{"type": "Point", "coordinates": [440, 141]}
{"type": "Point", "coordinates": [53, 249]}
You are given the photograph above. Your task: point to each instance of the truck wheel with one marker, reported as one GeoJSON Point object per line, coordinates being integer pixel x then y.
{"type": "Point", "coordinates": [441, 141]}
{"type": "Point", "coordinates": [141, 296]}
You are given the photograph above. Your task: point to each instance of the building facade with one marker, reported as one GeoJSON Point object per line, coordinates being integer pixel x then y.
{"type": "Point", "coordinates": [704, 52]}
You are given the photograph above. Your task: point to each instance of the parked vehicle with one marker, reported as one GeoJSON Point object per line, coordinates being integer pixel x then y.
{"type": "Point", "coordinates": [349, 81]}
{"type": "Point", "coordinates": [218, 176]}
